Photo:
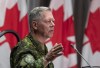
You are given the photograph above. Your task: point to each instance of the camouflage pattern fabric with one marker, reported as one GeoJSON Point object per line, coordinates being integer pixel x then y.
{"type": "Point", "coordinates": [28, 53]}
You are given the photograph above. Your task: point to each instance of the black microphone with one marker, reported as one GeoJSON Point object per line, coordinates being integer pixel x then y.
{"type": "Point", "coordinates": [10, 31]}
{"type": "Point", "coordinates": [81, 55]}
{"type": "Point", "coordinates": [1, 34]}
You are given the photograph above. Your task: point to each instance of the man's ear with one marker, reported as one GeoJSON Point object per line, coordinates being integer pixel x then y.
{"type": "Point", "coordinates": [34, 25]}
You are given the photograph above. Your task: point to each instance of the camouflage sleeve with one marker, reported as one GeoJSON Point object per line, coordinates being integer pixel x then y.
{"type": "Point", "coordinates": [22, 57]}
{"type": "Point", "coordinates": [28, 61]}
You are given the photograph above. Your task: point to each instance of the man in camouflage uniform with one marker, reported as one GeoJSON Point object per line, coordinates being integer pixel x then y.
{"type": "Point", "coordinates": [31, 52]}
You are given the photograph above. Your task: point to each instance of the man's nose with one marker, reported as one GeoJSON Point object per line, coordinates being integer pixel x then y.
{"type": "Point", "coordinates": [52, 23]}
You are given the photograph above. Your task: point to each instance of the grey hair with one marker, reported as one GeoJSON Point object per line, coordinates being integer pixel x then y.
{"type": "Point", "coordinates": [35, 14]}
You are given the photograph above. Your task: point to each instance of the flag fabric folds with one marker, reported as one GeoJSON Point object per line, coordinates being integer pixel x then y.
{"type": "Point", "coordinates": [13, 16]}
{"type": "Point", "coordinates": [63, 33]}
{"type": "Point", "coordinates": [91, 47]}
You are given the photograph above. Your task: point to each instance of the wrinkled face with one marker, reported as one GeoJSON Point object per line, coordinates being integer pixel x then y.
{"type": "Point", "coordinates": [46, 25]}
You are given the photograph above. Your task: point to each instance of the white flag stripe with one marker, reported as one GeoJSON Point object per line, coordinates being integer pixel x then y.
{"type": "Point", "coordinates": [4, 55]}
{"type": "Point", "coordinates": [55, 4]}
{"type": "Point", "coordinates": [22, 8]}
{"type": "Point", "coordinates": [71, 38]}
{"type": "Point", "coordinates": [95, 5]}
{"type": "Point", "coordinates": [11, 3]}
{"type": "Point", "coordinates": [3, 4]}
{"type": "Point", "coordinates": [67, 9]}
{"type": "Point", "coordinates": [64, 62]}
{"type": "Point", "coordinates": [91, 57]}
{"type": "Point", "coordinates": [87, 54]}
{"type": "Point", "coordinates": [72, 59]}
{"type": "Point", "coordinates": [49, 45]}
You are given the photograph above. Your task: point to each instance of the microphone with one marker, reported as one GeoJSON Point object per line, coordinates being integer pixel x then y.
{"type": "Point", "coordinates": [1, 34]}
{"type": "Point", "coordinates": [81, 55]}
{"type": "Point", "coordinates": [10, 31]}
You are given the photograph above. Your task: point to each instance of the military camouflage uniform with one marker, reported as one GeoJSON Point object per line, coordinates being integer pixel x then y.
{"type": "Point", "coordinates": [28, 54]}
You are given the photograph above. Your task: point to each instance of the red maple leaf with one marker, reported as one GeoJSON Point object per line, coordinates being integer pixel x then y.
{"type": "Point", "coordinates": [93, 30]}
{"type": "Point", "coordinates": [63, 29]}
{"type": "Point", "coordinates": [12, 22]}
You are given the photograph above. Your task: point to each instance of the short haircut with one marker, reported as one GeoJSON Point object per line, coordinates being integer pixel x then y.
{"type": "Point", "coordinates": [35, 14]}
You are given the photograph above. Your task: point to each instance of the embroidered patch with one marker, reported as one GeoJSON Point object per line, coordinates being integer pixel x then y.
{"type": "Point", "coordinates": [28, 59]}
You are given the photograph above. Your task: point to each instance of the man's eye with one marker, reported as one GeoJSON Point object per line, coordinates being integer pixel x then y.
{"type": "Point", "coordinates": [48, 21]}
{"type": "Point", "coordinates": [51, 21]}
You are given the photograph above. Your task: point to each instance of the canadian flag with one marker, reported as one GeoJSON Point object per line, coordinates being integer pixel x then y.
{"type": "Point", "coordinates": [63, 33]}
{"type": "Point", "coordinates": [91, 48]}
{"type": "Point", "coordinates": [13, 16]}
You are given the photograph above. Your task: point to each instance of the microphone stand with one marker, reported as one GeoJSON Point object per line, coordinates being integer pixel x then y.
{"type": "Point", "coordinates": [81, 55]}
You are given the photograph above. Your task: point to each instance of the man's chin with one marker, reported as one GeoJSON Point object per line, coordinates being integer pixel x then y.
{"type": "Point", "coordinates": [50, 36]}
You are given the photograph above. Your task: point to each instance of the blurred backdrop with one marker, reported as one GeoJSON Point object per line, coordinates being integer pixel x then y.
{"type": "Point", "coordinates": [77, 23]}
